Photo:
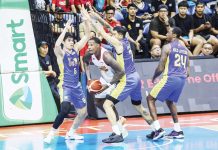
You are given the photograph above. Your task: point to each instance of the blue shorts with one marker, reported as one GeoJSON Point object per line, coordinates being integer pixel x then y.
{"type": "Point", "coordinates": [129, 85]}
{"type": "Point", "coordinates": [75, 96]}
{"type": "Point", "coordinates": [169, 88]}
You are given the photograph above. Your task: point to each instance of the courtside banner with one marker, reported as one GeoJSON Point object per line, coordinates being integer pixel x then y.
{"type": "Point", "coordinates": [199, 94]}
{"type": "Point", "coordinates": [21, 79]}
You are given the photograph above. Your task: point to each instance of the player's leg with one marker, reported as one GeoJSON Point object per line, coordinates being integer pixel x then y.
{"type": "Point", "coordinates": [79, 102]}
{"type": "Point", "coordinates": [173, 98]}
{"type": "Point", "coordinates": [177, 131]}
{"type": "Point", "coordinates": [136, 99]}
{"type": "Point", "coordinates": [65, 109]}
{"type": "Point", "coordinates": [81, 115]}
{"type": "Point", "coordinates": [161, 91]}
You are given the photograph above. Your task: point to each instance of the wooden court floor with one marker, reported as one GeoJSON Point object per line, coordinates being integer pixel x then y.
{"type": "Point", "coordinates": [201, 133]}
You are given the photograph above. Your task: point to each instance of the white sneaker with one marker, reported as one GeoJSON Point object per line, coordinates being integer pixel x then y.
{"type": "Point", "coordinates": [73, 137]}
{"type": "Point", "coordinates": [48, 139]}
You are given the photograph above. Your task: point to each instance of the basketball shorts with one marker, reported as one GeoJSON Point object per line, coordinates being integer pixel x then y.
{"type": "Point", "coordinates": [74, 95]}
{"type": "Point", "coordinates": [169, 88]}
{"type": "Point", "coordinates": [129, 85]}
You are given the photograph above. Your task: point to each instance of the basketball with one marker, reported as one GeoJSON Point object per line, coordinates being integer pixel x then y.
{"type": "Point", "coordinates": [95, 85]}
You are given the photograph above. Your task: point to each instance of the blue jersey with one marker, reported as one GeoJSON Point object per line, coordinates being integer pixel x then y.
{"type": "Point", "coordinates": [126, 58]}
{"type": "Point", "coordinates": [177, 60]}
{"type": "Point", "coordinates": [69, 69]}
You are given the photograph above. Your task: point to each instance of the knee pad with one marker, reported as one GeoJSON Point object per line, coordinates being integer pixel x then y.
{"type": "Point", "coordinates": [134, 102]}
{"type": "Point", "coordinates": [65, 107]}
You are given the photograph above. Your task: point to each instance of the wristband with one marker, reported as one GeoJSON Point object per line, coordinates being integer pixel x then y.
{"type": "Point", "coordinates": [108, 84]}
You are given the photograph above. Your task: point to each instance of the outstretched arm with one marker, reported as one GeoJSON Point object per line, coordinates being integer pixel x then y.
{"type": "Point", "coordinates": [161, 66]}
{"type": "Point", "coordinates": [57, 48]}
{"type": "Point", "coordinates": [79, 45]}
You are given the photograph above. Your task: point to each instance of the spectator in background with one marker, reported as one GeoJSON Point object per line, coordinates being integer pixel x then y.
{"type": "Point", "coordinates": [206, 50]}
{"type": "Point", "coordinates": [86, 3]}
{"type": "Point", "coordinates": [42, 5]}
{"type": "Point", "coordinates": [66, 5]}
{"type": "Point", "coordinates": [155, 52]}
{"type": "Point", "coordinates": [109, 17]}
{"type": "Point", "coordinates": [45, 63]}
{"type": "Point", "coordinates": [143, 10]}
{"type": "Point", "coordinates": [214, 28]}
{"type": "Point", "coordinates": [59, 23]}
{"type": "Point", "coordinates": [202, 27]}
{"type": "Point", "coordinates": [171, 4]}
{"type": "Point", "coordinates": [134, 28]}
{"type": "Point", "coordinates": [159, 26]}
{"type": "Point", "coordinates": [185, 23]}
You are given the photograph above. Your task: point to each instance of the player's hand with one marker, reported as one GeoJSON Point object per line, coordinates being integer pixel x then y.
{"type": "Point", "coordinates": [68, 24]}
{"type": "Point", "coordinates": [104, 87]}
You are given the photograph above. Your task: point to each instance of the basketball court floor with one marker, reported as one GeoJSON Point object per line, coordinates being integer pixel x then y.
{"type": "Point", "coordinates": [201, 133]}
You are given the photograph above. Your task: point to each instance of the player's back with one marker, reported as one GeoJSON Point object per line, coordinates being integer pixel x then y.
{"type": "Point", "coordinates": [69, 69]}
{"type": "Point", "coordinates": [126, 58]}
{"type": "Point", "coordinates": [177, 60]}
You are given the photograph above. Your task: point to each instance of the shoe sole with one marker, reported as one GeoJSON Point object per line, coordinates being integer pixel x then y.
{"type": "Point", "coordinates": [175, 137]}
{"type": "Point", "coordinates": [159, 136]}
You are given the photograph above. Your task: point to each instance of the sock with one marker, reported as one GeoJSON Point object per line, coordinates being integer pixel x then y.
{"type": "Point", "coordinates": [177, 127]}
{"type": "Point", "coordinates": [52, 132]}
{"type": "Point", "coordinates": [72, 131]}
{"type": "Point", "coordinates": [152, 126]}
{"type": "Point", "coordinates": [116, 129]}
{"type": "Point", "coordinates": [156, 125]}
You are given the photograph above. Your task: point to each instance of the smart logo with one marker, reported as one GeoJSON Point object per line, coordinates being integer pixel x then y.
{"type": "Point", "coordinates": [22, 98]}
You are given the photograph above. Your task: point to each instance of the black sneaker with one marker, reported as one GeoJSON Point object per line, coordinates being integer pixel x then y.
{"type": "Point", "coordinates": [175, 135]}
{"type": "Point", "coordinates": [158, 134]}
{"type": "Point", "coordinates": [114, 139]}
{"type": "Point", "coordinates": [112, 134]}
{"type": "Point", "coordinates": [150, 136]}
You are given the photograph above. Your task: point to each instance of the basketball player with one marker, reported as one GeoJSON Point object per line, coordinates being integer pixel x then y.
{"type": "Point", "coordinates": [111, 73]}
{"type": "Point", "coordinates": [174, 63]}
{"type": "Point", "coordinates": [129, 84]}
{"type": "Point", "coordinates": [69, 86]}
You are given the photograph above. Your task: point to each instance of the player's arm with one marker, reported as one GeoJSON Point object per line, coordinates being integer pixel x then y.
{"type": "Point", "coordinates": [86, 60]}
{"type": "Point", "coordinates": [79, 45]}
{"type": "Point", "coordinates": [161, 66]}
{"type": "Point", "coordinates": [110, 61]}
{"type": "Point", "coordinates": [115, 42]}
{"type": "Point", "coordinates": [57, 50]}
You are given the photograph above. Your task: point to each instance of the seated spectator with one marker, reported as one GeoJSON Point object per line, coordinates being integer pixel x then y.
{"type": "Point", "coordinates": [42, 5]}
{"type": "Point", "coordinates": [109, 17]}
{"type": "Point", "coordinates": [155, 52]}
{"type": "Point", "coordinates": [171, 4]}
{"type": "Point", "coordinates": [214, 28]}
{"type": "Point", "coordinates": [206, 50]}
{"type": "Point", "coordinates": [184, 22]}
{"type": "Point", "coordinates": [143, 10]}
{"type": "Point", "coordinates": [159, 26]}
{"type": "Point", "coordinates": [45, 63]}
{"type": "Point", "coordinates": [86, 3]}
{"type": "Point", "coordinates": [59, 23]}
{"type": "Point", "coordinates": [134, 28]}
{"type": "Point", "coordinates": [65, 5]}
{"type": "Point", "coordinates": [202, 28]}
